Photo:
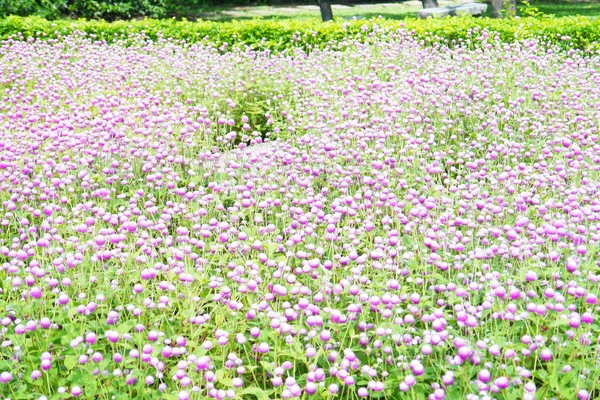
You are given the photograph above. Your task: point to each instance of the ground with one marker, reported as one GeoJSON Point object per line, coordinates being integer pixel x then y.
{"type": "Point", "coordinates": [398, 10]}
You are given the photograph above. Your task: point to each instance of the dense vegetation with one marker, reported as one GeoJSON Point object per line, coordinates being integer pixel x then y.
{"type": "Point", "coordinates": [426, 226]}
{"type": "Point", "coordinates": [567, 32]}
{"type": "Point", "coordinates": [107, 9]}
{"type": "Point", "coordinates": [418, 215]}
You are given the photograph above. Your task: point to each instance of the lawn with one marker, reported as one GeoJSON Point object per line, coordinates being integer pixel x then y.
{"type": "Point", "coordinates": [399, 10]}
{"type": "Point", "coordinates": [563, 10]}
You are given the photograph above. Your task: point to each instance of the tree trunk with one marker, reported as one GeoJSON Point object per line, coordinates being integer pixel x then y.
{"type": "Point", "coordinates": [496, 10]}
{"type": "Point", "coordinates": [429, 3]}
{"type": "Point", "coordinates": [326, 12]}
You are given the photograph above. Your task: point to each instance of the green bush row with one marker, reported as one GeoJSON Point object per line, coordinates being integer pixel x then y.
{"type": "Point", "coordinates": [567, 32]}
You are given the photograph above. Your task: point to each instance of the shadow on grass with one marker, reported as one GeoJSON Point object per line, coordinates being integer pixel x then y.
{"type": "Point", "coordinates": [396, 16]}
{"type": "Point", "coordinates": [558, 9]}
{"type": "Point", "coordinates": [282, 12]}
{"type": "Point", "coordinates": [564, 10]}
{"type": "Point", "coordinates": [221, 16]}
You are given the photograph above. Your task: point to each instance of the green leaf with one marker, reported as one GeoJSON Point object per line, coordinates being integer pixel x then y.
{"type": "Point", "coordinates": [76, 378]}
{"type": "Point", "coordinates": [522, 274]}
{"type": "Point", "coordinates": [219, 375]}
{"type": "Point", "coordinates": [257, 392]}
{"type": "Point", "coordinates": [126, 326]}
{"type": "Point", "coordinates": [567, 393]}
{"type": "Point", "coordinates": [541, 374]}
{"type": "Point", "coordinates": [553, 380]}
{"type": "Point", "coordinates": [226, 382]}
{"type": "Point", "coordinates": [559, 322]}
{"type": "Point", "coordinates": [90, 390]}
{"type": "Point", "coordinates": [71, 362]}
{"type": "Point", "coordinates": [567, 378]}
{"type": "Point", "coordinates": [420, 389]}
{"type": "Point", "coordinates": [271, 247]}
{"type": "Point", "coordinates": [281, 258]}
{"type": "Point", "coordinates": [268, 366]}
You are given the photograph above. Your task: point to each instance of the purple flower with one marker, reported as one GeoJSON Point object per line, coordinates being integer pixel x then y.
{"type": "Point", "coordinates": [5, 377]}
{"type": "Point", "coordinates": [546, 354]}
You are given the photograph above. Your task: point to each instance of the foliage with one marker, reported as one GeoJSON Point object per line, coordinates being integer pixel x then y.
{"type": "Point", "coordinates": [428, 221]}
{"type": "Point", "coordinates": [106, 9]}
{"type": "Point", "coordinates": [567, 32]}
{"type": "Point", "coordinates": [530, 11]}
{"type": "Point", "coordinates": [111, 10]}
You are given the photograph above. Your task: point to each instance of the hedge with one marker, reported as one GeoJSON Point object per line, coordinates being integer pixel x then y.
{"type": "Point", "coordinates": [567, 32]}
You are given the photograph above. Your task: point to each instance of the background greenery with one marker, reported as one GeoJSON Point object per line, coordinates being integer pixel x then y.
{"type": "Point", "coordinates": [567, 32]}
{"type": "Point", "coordinates": [108, 9]}
{"type": "Point", "coordinates": [230, 9]}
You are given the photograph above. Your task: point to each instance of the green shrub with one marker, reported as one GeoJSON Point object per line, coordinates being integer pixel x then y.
{"type": "Point", "coordinates": [42, 8]}
{"type": "Point", "coordinates": [116, 9]}
{"type": "Point", "coordinates": [567, 32]}
{"type": "Point", "coordinates": [110, 9]}
{"type": "Point", "coordinates": [106, 9]}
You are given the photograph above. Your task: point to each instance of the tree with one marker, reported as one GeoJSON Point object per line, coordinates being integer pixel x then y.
{"type": "Point", "coordinates": [501, 8]}
{"type": "Point", "coordinates": [429, 3]}
{"type": "Point", "coordinates": [326, 12]}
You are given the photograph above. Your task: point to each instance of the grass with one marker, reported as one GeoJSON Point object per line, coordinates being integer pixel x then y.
{"type": "Point", "coordinates": [394, 11]}
{"type": "Point", "coordinates": [304, 11]}
{"type": "Point", "coordinates": [564, 10]}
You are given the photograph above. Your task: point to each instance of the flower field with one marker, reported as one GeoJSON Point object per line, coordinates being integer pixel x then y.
{"type": "Point", "coordinates": [424, 226]}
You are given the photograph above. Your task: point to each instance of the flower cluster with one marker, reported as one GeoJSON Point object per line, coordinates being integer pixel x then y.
{"type": "Point", "coordinates": [427, 221]}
